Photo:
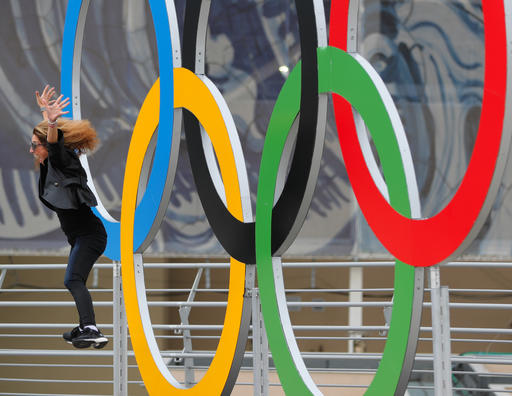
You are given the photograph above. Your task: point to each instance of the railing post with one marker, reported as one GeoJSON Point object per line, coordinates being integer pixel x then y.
{"type": "Point", "coordinates": [259, 347]}
{"type": "Point", "coordinates": [440, 334]}
{"type": "Point", "coordinates": [184, 312]}
{"type": "Point", "coordinates": [120, 335]}
{"type": "Point", "coordinates": [2, 277]}
{"type": "Point", "coordinates": [355, 314]}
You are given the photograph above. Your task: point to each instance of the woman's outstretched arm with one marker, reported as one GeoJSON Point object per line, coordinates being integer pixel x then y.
{"type": "Point", "coordinates": [54, 109]}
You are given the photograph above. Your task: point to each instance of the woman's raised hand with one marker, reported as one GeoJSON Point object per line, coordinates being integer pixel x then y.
{"type": "Point", "coordinates": [55, 108]}
{"type": "Point", "coordinates": [44, 99]}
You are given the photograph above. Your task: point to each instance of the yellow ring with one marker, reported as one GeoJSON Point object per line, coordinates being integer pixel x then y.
{"type": "Point", "coordinates": [192, 94]}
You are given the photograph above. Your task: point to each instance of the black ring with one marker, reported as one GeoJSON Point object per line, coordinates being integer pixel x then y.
{"type": "Point", "coordinates": [238, 238]}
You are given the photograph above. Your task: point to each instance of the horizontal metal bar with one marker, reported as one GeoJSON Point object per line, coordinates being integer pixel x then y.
{"type": "Point", "coordinates": [273, 384]}
{"type": "Point", "coordinates": [483, 374]}
{"type": "Point", "coordinates": [70, 365]}
{"type": "Point", "coordinates": [466, 264]}
{"type": "Point", "coordinates": [366, 371]}
{"type": "Point", "coordinates": [335, 304]}
{"type": "Point", "coordinates": [195, 337]}
{"type": "Point", "coordinates": [186, 265]}
{"type": "Point", "coordinates": [287, 264]}
{"type": "Point", "coordinates": [209, 354]}
{"type": "Point", "coordinates": [56, 352]}
{"type": "Point", "coordinates": [341, 264]}
{"type": "Point", "coordinates": [482, 340]}
{"type": "Point", "coordinates": [320, 338]}
{"type": "Point", "coordinates": [43, 394]}
{"type": "Point", "coordinates": [337, 370]}
{"type": "Point", "coordinates": [325, 338]}
{"type": "Point", "coordinates": [203, 265]}
{"type": "Point", "coordinates": [475, 305]}
{"type": "Point", "coordinates": [370, 290]}
{"type": "Point", "coordinates": [45, 266]}
{"type": "Point", "coordinates": [40, 335]}
{"type": "Point", "coordinates": [109, 266]}
{"type": "Point", "coordinates": [490, 291]}
{"type": "Point", "coordinates": [482, 360]}
{"type": "Point", "coordinates": [51, 290]}
{"type": "Point", "coordinates": [342, 370]}
{"type": "Point", "coordinates": [374, 290]}
{"type": "Point", "coordinates": [346, 386]}
{"type": "Point", "coordinates": [349, 386]}
{"type": "Point", "coordinates": [56, 380]}
{"type": "Point", "coordinates": [487, 264]}
{"type": "Point", "coordinates": [186, 290]}
{"type": "Point", "coordinates": [480, 390]}
{"type": "Point", "coordinates": [47, 325]}
{"type": "Point", "coordinates": [49, 304]}
{"type": "Point", "coordinates": [419, 357]}
{"type": "Point", "coordinates": [483, 330]}
{"type": "Point", "coordinates": [63, 290]}
{"type": "Point", "coordinates": [465, 373]}
{"type": "Point", "coordinates": [306, 355]}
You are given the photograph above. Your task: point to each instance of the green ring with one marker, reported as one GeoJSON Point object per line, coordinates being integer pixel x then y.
{"type": "Point", "coordinates": [341, 74]}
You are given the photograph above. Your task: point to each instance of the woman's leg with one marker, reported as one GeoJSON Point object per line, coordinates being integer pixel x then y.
{"type": "Point", "coordinates": [84, 253]}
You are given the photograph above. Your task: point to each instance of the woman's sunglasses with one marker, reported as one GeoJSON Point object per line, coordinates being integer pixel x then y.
{"type": "Point", "coordinates": [34, 145]}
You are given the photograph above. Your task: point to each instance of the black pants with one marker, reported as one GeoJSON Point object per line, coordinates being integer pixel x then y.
{"type": "Point", "coordinates": [85, 250]}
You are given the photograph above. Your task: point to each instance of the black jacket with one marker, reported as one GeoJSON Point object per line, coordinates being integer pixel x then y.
{"type": "Point", "coordinates": [63, 181]}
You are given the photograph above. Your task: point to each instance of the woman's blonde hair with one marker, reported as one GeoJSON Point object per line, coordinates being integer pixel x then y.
{"type": "Point", "coordinates": [78, 134]}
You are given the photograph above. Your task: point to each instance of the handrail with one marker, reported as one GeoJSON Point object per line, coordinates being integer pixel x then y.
{"type": "Point", "coordinates": [220, 304]}
{"type": "Point", "coordinates": [484, 330]}
{"type": "Point", "coordinates": [306, 355]}
{"type": "Point", "coordinates": [163, 331]}
{"type": "Point", "coordinates": [286, 264]}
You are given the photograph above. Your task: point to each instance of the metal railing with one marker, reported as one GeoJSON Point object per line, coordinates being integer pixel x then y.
{"type": "Point", "coordinates": [34, 360]}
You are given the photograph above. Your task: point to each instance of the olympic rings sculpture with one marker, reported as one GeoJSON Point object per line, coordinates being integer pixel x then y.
{"type": "Point", "coordinates": [361, 101]}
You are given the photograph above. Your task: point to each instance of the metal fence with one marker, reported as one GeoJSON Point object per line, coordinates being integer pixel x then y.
{"type": "Point", "coordinates": [187, 301]}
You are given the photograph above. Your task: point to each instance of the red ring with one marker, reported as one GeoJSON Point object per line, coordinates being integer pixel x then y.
{"type": "Point", "coordinates": [425, 242]}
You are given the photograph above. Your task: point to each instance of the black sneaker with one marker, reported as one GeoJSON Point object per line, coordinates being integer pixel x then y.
{"type": "Point", "coordinates": [69, 335]}
{"type": "Point", "coordinates": [90, 337]}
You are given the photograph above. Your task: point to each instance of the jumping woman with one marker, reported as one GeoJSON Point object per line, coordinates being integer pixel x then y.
{"type": "Point", "coordinates": [56, 144]}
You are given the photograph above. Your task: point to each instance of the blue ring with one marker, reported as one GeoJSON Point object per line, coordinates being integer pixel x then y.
{"type": "Point", "coordinates": [146, 211]}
